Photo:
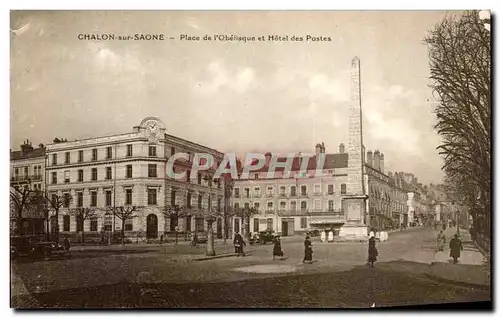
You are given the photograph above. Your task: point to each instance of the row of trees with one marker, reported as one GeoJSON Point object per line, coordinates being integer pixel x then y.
{"type": "Point", "coordinates": [460, 68]}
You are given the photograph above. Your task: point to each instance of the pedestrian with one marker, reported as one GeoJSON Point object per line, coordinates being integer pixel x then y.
{"type": "Point", "coordinates": [455, 248]}
{"type": "Point", "coordinates": [472, 232]}
{"type": "Point", "coordinates": [277, 251]}
{"type": "Point", "coordinates": [441, 241]}
{"type": "Point", "coordinates": [238, 244]}
{"type": "Point", "coordinates": [372, 251]}
{"type": "Point", "coordinates": [66, 244]}
{"type": "Point", "coordinates": [307, 250]}
{"type": "Point", "coordinates": [435, 226]}
{"type": "Point", "coordinates": [194, 239]}
{"type": "Point", "coordinates": [330, 236]}
{"type": "Point", "coordinates": [323, 236]}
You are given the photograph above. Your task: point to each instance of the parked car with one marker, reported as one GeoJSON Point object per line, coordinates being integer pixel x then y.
{"type": "Point", "coordinates": [201, 237]}
{"type": "Point", "coordinates": [33, 247]}
{"type": "Point", "coordinates": [262, 238]}
{"type": "Point", "coordinates": [314, 232]}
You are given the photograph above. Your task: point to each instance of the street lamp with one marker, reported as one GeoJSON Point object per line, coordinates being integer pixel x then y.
{"type": "Point", "coordinates": [210, 220]}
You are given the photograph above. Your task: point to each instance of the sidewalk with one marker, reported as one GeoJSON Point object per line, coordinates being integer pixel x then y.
{"type": "Point", "coordinates": [470, 270]}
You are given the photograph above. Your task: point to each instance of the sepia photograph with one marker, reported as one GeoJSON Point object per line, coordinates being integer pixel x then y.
{"type": "Point", "coordinates": [250, 159]}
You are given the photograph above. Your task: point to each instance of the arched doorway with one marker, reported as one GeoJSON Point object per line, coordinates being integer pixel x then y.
{"type": "Point", "coordinates": [152, 226]}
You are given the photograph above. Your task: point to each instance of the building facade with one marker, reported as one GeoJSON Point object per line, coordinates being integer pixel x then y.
{"type": "Point", "coordinates": [27, 170]}
{"type": "Point", "coordinates": [130, 170]}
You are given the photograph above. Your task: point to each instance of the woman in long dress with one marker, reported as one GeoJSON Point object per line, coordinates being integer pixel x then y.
{"type": "Point", "coordinates": [307, 250]}
{"type": "Point", "coordinates": [277, 251]}
{"type": "Point", "coordinates": [441, 240]}
{"type": "Point", "coordinates": [372, 251]}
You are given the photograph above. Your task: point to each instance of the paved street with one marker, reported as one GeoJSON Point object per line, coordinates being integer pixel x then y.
{"type": "Point", "coordinates": [165, 276]}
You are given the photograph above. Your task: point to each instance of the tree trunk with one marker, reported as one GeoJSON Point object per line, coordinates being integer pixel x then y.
{"type": "Point", "coordinates": [210, 241]}
{"type": "Point", "coordinates": [123, 231]}
{"type": "Point", "coordinates": [83, 235]}
{"type": "Point", "coordinates": [56, 232]}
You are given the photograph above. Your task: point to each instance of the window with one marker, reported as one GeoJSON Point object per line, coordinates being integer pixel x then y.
{"type": "Point", "coordinates": [199, 178]}
{"type": "Point", "coordinates": [129, 171]}
{"type": "Point", "coordinates": [236, 207]}
{"type": "Point", "coordinates": [317, 189]}
{"type": "Point", "coordinates": [128, 196]}
{"type": "Point", "coordinates": [269, 224]}
{"type": "Point", "coordinates": [54, 159]}
{"type": "Point", "coordinates": [93, 177]}
{"type": "Point", "coordinates": [172, 198]}
{"type": "Point", "coordinates": [94, 154]}
{"type": "Point", "coordinates": [66, 157]}
{"type": "Point", "coordinates": [256, 205]}
{"type": "Point", "coordinates": [80, 155]}
{"type": "Point", "coordinates": [199, 225]}
{"type": "Point", "coordinates": [303, 190]}
{"type": "Point", "coordinates": [16, 171]}
{"type": "Point", "coordinates": [269, 206]}
{"type": "Point", "coordinates": [282, 205]}
{"type": "Point", "coordinates": [93, 198]}
{"type": "Point", "coordinates": [236, 192]}
{"type": "Point", "coordinates": [93, 224]}
{"type": "Point", "coordinates": [282, 190]}
{"type": "Point", "coordinates": [330, 189]}
{"type": "Point", "coordinates": [200, 201]}
{"type": "Point", "coordinates": [108, 224]}
{"type": "Point", "coordinates": [256, 191]}
{"type": "Point", "coordinates": [172, 151]}
{"type": "Point", "coordinates": [79, 199]}
{"type": "Point", "coordinates": [331, 205]}
{"type": "Point", "coordinates": [79, 223]}
{"type": "Point", "coordinates": [188, 175]}
{"type": "Point", "coordinates": [152, 170]}
{"type": "Point", "coordinates": [343, 188]}
{"type": "Point", "coordinates": [109, 174]}
{"type": "Point", "coordinates": [247, 206]}
{"type": "Point", "coordinates": [256, 225]}
{"type": "Point", "coordinates": [317, 205]}
{"type": "Point", "coordinates": [303, 205]}
{"type": "Point", "coordinates": [80, 175]}
{"type": "Point", "coordinates": [151, 196]}
{"type": "Point", "coordinates": [293, 191]}
{"type": "Point", "coordinates": [66, 200]}
{"type": "Point", "coordinates": [54, 177]}
{"type": "Point", "coordinates": [188, 199]}
{"type": "Point", "coordinates": [256, 176]}
{"type": "Point", "coordinates": [293, 206]}
{"type": "Point", "coordinates": [152, 151]}
{"type": "Point", "coordinates": [218, 205]}
{"type": "Point", "coordinates": [129, 225]}
{"type": "Point", "coordinates": [26, 172]}
{"type": "Point", "coordinates": [129, 150]}
{"type": "Point", "coordinates": [269, 191]}
{"type": "Point", "coordinates": [109, 152]}
{"type": "Point", "coordinates": [108, 197]}
{"type": "Point", "coordinates": [66, 176]}
{"type": "Point", "coordinates": [66, 221]}
{"type": "Point", "coordinates": [303, 222]}
{"type": "Point", "coordinates": [247, 192]}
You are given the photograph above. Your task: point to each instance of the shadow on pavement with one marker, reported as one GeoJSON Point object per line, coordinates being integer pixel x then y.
{"type": "Point", "coordinates": [81, 254]}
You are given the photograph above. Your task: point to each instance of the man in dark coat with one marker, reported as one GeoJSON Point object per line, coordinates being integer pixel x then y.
{"type": "Point", "coordinates": [277, 251]}
{"type": "Point", "coordinates": [372, 251]}
{"type": "Point", "coordinates": [307, 250]}
{"type": "Point", "coordinates": [455, 248]}
{"type": "Point", "coordinates": [66, 244]}
{"type": "Point", "coordinates": [238, 244]}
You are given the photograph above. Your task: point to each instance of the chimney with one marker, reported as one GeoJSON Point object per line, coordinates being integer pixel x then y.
{"type": "Point", "coordinates": [341, 148]}
{"type": "Point", "coordinates": [382, 162]}
{"type": "Point", "coordinates": [369, 158]}
{"type": "Point", "coordinates": [376, 160]}
{"type": "Point", "coordinates": [318, 150]}
{"type": "Point", "coordinates": [268, 159]}
{"type": "Point", "coordinates": [26, 147]}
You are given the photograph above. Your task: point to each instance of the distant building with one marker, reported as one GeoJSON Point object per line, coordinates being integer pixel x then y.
{"type": "Point", "coordinates": [27, 170]}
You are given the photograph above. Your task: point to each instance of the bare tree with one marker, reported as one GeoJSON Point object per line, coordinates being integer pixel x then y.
{"type": "Point", "coordinates": [21, 198]}
{"type": "Point", "coordinates": [82, 214]}
{"type": "Point", "coordinates": [460, 67]}
{"type": "Point", "coordinates": [124, 213]}
{"type": "Point", "coordinates": [56, 202]}
{"type": "Point", "coordinates": [174, 213]}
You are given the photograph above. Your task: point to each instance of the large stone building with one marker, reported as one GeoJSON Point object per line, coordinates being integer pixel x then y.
{"type": "Point", "coordinates": [129, 170]}
{"type": "Point", "coordinates": [27, 170]}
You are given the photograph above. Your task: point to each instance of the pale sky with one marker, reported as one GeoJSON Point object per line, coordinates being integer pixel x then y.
{"type": "Point", "coordinates": [234, 97]}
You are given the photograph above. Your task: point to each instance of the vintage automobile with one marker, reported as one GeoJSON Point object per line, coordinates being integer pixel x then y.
{"type": "Point", "coordinates": [201, 237]}
{"type": "Point", "coordinates": [33, 247]}
{"type": "Point", "coordinates": [313, 232]}
{"type": "Point", "coordinates": [263, 237]}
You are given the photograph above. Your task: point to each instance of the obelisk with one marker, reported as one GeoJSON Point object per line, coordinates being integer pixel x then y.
{"type": "Point", "coordinates": [354, 202]}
